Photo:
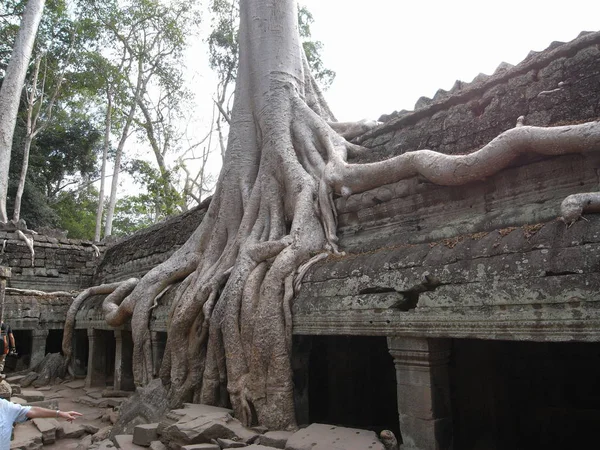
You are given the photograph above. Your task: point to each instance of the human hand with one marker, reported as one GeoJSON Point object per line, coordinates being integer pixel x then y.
{"type": "Point", "coordinates": [69, 416]}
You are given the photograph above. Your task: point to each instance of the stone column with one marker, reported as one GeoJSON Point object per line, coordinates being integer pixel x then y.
{"type": "Point", "coordinates": [423, 392]}
{"type": "Point", "coordinates": [5, 274]}
{"type": "Point", "coordinates": [159, 341]}
{"type": "Point", "coordinates": [123, 379]}
{"type": "Point", "coordinates": [38, 346]}
{"type": "Point", "coordinates": [96, 370]}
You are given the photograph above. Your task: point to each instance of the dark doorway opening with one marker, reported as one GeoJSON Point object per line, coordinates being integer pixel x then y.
{"type": "Point", "coordinates": [81, 350]}
{"type": "Point", "coordinates": [524, 395]}
{"type": "Point", "coordinates": [23, 340]}
{"type": "Point", "coordinates": [54, 342]}
{"type": "Point", "coordinates": [352, 383]}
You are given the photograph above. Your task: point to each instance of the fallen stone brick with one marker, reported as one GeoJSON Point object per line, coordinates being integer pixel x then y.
{"type": "Point", "coordinates": [32, 395]}
{"type": "Point", "coordinates": [230, 443]}
{"type": "Point", "coordinates": [125, 442]}
{"type": "Point", "coordinates": [320, 436]}
{"type": "Point", "coordinates": [157, 445]}
{"type": "Point", "coordinates": [68, 430]}
{"type": "Point", "coordinates": [276, 439]}
{"type": "Point", "coordinates": [48, 429]}
{"type": "Point", "coordinates": [144, 434]}
{"type": "Point", "coordinates": [201, 447]}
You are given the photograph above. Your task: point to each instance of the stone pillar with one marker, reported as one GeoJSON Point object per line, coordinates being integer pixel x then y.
{"type": "Point", "coordinates": [5, 274]}
{"type": "Point", "coordinates": [423, 392]}
{"type": "Point", "coordinates": [96, 370]}
{"type": "Point", "coordinates": [38, 346]}
{"type": "Point", "coordinates": [123, 379]}
{"type": "Point", "coordinates": [159, 341]}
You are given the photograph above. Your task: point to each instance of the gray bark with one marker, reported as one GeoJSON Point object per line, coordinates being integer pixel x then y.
{"type": "Point", "coordinates": [10, 93]}
{"type": "Point", "coordinates": [107, 130]}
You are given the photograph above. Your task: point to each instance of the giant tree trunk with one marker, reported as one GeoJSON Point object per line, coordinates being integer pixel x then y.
{"type": "Point", "coordinates": [272, 215]}
{"type": "Point", "coordinates": [10, 92]}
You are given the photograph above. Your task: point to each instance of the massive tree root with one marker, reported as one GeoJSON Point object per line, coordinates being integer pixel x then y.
{"type": "Point", "coordinates": [272, 216]}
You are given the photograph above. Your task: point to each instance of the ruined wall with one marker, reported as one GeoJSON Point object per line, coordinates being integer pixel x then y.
{"type": "Point", "coordinates": [59, 264]}
{"type": "Point", "coordinates": [135, 255]}
{"type": "Point", "coordinates": [486, 260]}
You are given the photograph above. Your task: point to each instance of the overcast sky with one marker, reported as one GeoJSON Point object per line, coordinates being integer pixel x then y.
{"type": "Point", "coordinates": [388, 53]}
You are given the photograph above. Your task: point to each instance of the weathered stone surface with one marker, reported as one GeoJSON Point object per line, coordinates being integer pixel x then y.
{"type": "Point", "coordinates": [276, 439]}
{"type": "Point", "coordinates": [230, 443]}
{"type": "Point", "coordinates": [144, 434]}
{"type": "Point", "coordinates": [106, 444]}
{"type": "Point", "coordinates": [329, 437]}
{"type": "Point", "coordinates": [32, 395]}
{"type": "Point", "coordinates": [6, 390]}
{"type": "Point", "coordinates": [147, 405]}
{"type": "Point", "coordinates": [200, 447]}
{"type": "Point", "coordinates": [157, 445]}
{"type": "Point", "coordinates": [125, 442]}
{"type": "Point", "coordinates": [85, 443]}
{"type": "Point", "coordinates": [48, 429]}
{"type": "Point", "coordinates": [70, 430]}
{"type": "Point", "coordinates": [203, 429]}
{"type": "Point", "coordinates": [26, 437]}
{"type": "Point", "coordinates": [102, 434]}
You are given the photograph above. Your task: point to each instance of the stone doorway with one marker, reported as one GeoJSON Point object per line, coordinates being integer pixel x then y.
{"type": "Point", "coordinates": [524, 395]}
{"type": "Point", "coordinates": [352, 382]}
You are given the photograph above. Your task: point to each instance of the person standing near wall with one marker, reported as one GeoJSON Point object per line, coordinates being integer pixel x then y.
{"type": "Point", "coordinates": [7, 344]}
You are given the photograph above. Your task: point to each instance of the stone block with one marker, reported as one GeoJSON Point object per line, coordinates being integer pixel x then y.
{"type": "Point", "coordinates": [68, 430]}
{"type": "Point", "coordinates": [26, 437]}
{"type": "Point", "coordinates": [48, 429]}
{"type": "Point", "coordinates": [201, 447]}
{"type": "Point", "coordinates": [276, 439]}
{"type": "Point", "coordinates": [6, 390]}
{"type": "Point", "coordinates": [204, 429]}
{"type": "Point", "coordinates": [40, 271]}
{"type": "Point", "coordinates": [32, 395]}
{"type": "Point", "coordinates": [18, 400]}
{"type": "Point", "coordinates": [5, 272]}
{"type": "Point", "coordinates": [320, 436]}
{"type": "Point", "coordinates": [85, 443]}
{"type": "Point", "coordinates": [125, 442]}
{"type": "Point", "coordinates": [157, 445]}
{"type": "Point", "coordinates": [144, 434]}
{"type": "Point", "coordinates": [230, 443]}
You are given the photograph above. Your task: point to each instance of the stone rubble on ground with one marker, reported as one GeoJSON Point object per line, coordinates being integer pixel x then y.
{"type": "Point", "coordinates": [193, 427]}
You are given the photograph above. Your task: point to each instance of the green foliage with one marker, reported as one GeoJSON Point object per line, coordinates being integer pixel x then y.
{"type": "Point", "coordinates": [77, 212]}
{"type": "Point", "coordinates": [62, 151]}
{"type": "Point", "coordinates": [159, 201]}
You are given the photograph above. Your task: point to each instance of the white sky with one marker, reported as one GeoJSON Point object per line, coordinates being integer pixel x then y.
{"type": "Point", "coordinates": [388, 53]}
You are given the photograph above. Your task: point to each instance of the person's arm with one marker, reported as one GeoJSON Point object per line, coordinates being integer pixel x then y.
{"type": "Point", "coordinates": [37, 412]}
{"type": "Point", "coordinates": [11, 338]}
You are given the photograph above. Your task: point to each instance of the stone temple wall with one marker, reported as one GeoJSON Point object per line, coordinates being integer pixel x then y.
{"type": "Point", "coordinates": [485, 260]}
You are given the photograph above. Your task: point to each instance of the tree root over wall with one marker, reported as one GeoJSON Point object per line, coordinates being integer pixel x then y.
{"type": "Point", "coordinates": [272, 215]}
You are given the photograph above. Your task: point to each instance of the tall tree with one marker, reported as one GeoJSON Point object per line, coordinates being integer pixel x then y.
{"type": "Point", "coordinates": [272, 215]}
{"type": "Point", "coordinates": [10, 92]}
{"type": "Point", "coordinates": [145, 39]}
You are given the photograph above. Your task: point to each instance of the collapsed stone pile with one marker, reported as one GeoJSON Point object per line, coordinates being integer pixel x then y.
{"type": "Point", "coordinates": [192, 427]}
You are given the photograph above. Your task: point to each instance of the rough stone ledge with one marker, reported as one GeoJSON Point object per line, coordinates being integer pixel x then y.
{"type": "Point", "coordinates": [515, 324]}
